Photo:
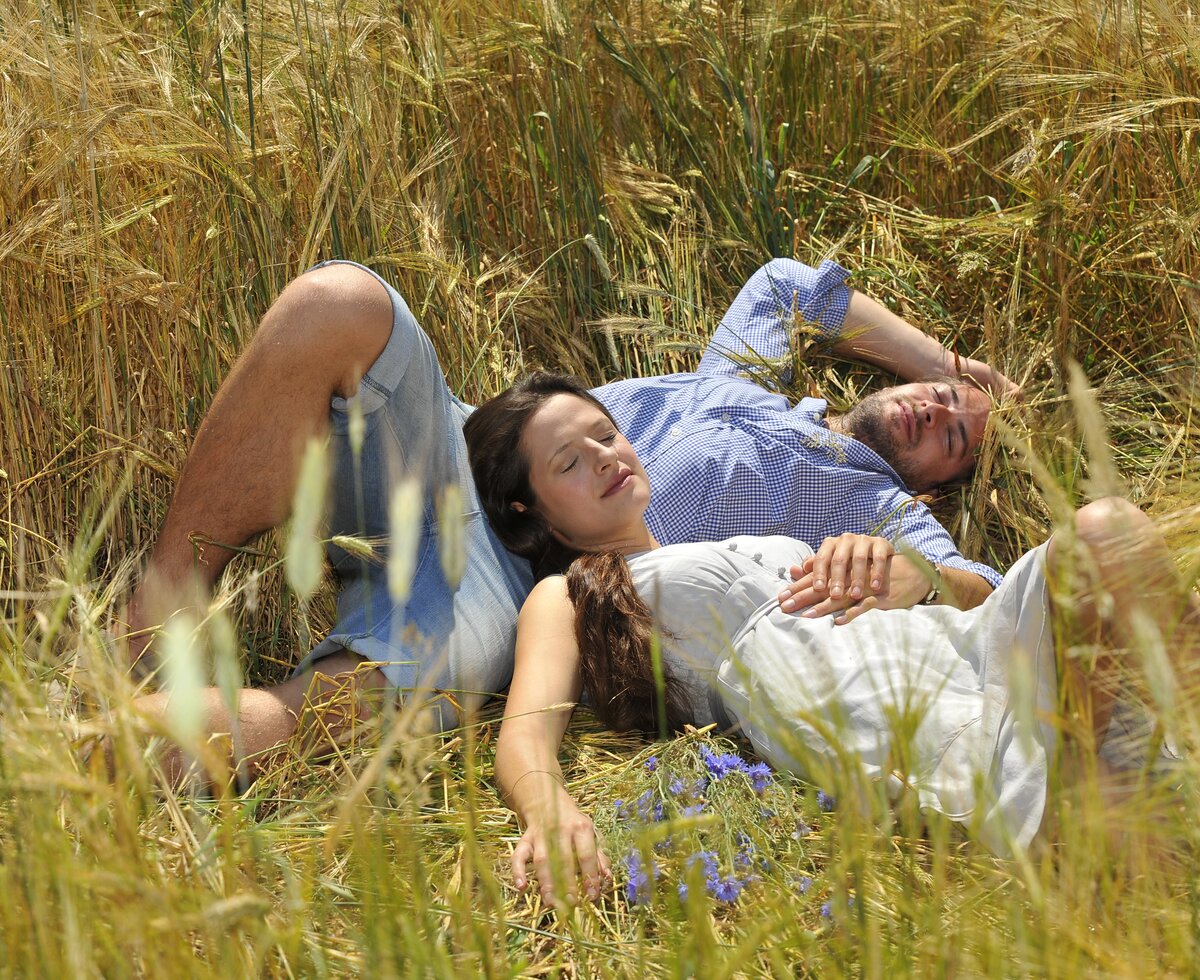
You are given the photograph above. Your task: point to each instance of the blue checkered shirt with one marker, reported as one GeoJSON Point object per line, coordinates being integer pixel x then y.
{"type": "Point", "coordinates": [727, 457]}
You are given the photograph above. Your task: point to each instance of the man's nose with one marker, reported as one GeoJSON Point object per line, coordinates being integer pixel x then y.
{"type": "Point", "coordinates": [932, 412]}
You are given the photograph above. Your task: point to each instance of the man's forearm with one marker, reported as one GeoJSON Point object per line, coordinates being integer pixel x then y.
{"type": "Point", "coordinates": [874, 334]}
{"type": "Point", "coordinates": [961, 588]}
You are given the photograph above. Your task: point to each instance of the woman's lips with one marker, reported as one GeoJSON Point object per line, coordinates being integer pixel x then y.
{"type": "Point", "coordinates": [619, 483]}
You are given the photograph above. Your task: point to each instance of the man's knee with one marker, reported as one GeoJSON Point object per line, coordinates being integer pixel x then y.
{"type": "Point", "coordinates": [1109, 519]}
{"type": "Point", "coordinates": [340, 314]}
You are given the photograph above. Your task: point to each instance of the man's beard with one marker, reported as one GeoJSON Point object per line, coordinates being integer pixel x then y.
{"type": "Point", "coordinates": [867, 423]}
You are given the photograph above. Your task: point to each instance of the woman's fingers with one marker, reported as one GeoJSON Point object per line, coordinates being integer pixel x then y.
{"type": "Point", "coordinates": [521, 856]}
{"type": "Point", "coordinates": [562, 860]}
{"type": "Point", "coordinates": [587, 855]}
{"type": "Point", "coordinates": [853, 612]}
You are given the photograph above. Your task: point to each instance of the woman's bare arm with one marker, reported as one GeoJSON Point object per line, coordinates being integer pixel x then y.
{"type": "Point", "coordinates": [559, 839]}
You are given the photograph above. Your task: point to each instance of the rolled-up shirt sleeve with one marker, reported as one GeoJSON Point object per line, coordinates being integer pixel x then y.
{"type": "Point", "coordinates": [913, 524]}
{"type": "Point", "coordinates": [779, 297]}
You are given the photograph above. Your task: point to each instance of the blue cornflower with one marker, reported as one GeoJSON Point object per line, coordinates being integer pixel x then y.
{"type": "Point", "coordinates": [676, 786]}
{"type": "Point", "coordinates": [825, 801]}
{"type": "Point", "coordinates": [683, 891]}
{"type": "Point", "coordinates": [803, 884]}
{"type": "Point", "coordinates": [760, 776]}
{"type": "Point", "coordinates": [727, 889]}
{"type": "Point", "coordinates": [652, 763]}
{"type": "Point", "coordinates": [826, 910]}
{"type": "Point", "coordinates": [637, 887]}
{"type": "Point", "coordinates": [707, 861]}
{"type": "Point", "coordinates": [648, 808]}
{"type": "Point", "coordinates": [621, 809]}
{"type": "Point", "coordinates": [720, 766]}
{"type": "Point", "coordinates": [692, 810]}
{"type": "Point", "coordinates": [746, 852]}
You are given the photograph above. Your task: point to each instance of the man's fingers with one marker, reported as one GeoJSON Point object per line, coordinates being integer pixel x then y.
{"type": "Point", "coordinates": [881, 567]}
{"type": "Point", "coordinates": [860, 563]}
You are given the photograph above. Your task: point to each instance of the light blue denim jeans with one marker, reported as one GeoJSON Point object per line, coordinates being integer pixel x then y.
{"type": "Point", "coordinates": [442, 640]}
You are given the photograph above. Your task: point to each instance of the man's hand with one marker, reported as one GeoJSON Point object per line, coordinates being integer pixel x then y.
{"type": "Point", "coordinates": [852, 574]}
{"type": "Point", "coordinates": [563, 855]}
{"type": "Point", "coordinates": [989, 378]}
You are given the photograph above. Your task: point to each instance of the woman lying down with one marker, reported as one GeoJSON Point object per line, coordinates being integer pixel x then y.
{"type": "Point", "coordinates": [563, 488]}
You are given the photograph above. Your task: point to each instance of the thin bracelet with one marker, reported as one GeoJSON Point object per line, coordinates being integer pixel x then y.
{"type": "Point", "coordinates": [935, 589]}
{"type": "Point", "coordinates": [529, 772]}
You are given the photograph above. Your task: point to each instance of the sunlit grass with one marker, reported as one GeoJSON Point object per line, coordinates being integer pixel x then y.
{"type": "Point", "coordinates": [582, 186]}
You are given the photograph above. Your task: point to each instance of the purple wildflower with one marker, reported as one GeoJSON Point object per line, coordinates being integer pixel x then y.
{"type": "Point", "coordinates": [825, 801]}
{"type": "Point", "coordinates": [637, 887]}
{"type": "Point", "coordinates": [720, 766]}
{"type": "Point", "coordinates": [683, 891]}
{"type": "Point", "coordinates": [652, 763]}
{"type": "Point", "coordinates": [676, 786]}
{"type": "Point", "coordinates": [727, 889]}
{"type": "Point", "coordinates": [692, 810]}
{"type": "Point", "coordinates": [648, 808]}
{"type": "Point", "coordinates": [802, 829]}
{"type": "Point", "coordinates": [803, 884]}
{"type": "Point", "coordinates": [826, 910]}
{"type": "Point", "coordinates": [760, 777]}
{"type": "Point", "coordinates": [707, 861]}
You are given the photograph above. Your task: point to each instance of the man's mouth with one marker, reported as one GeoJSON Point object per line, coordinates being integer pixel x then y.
{"type": "Point", "coordinates": [908, 422]}
{"type": "Point", "coordinates": [623, 476]}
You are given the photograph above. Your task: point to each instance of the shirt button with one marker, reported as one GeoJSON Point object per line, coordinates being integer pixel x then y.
{"type": "Point", "coordinates": [724, 416]}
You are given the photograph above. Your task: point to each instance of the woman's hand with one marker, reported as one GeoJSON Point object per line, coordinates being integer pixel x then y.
{"type": "Point", "coordinates": [564, 850]}
{"type": "Point", "coordinates": [852, 574]}
{"type": "Point", "coordinates": [845, 570]}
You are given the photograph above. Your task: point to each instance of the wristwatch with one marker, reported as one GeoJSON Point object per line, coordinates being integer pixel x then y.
{"type": "Point", "coordinates": [935, 588]}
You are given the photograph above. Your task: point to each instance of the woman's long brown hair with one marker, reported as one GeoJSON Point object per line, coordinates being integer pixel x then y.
{"type": "Point", "coordinates": [615, 632]}
{"type": "Point", "coordinates": [613, 626]}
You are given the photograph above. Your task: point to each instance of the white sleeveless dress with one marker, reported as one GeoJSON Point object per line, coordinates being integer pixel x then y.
{"type": "Point", "coordinates": [955, 706]}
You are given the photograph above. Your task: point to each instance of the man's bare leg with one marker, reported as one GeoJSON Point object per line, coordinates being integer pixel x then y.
{"type": "Point", "coordinates": [316, 341]}
{"type": "Point", "coordinates": [340, 692]}
{"type": "Point", "coordinates": [1122, 573]}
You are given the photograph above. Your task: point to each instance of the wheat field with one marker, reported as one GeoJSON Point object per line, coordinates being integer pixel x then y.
{"type": "Point", "coordinates": [582, 185]}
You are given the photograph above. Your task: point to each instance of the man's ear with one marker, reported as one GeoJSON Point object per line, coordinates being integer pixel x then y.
{"type": "Point", "coordinates": [519, 507]}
